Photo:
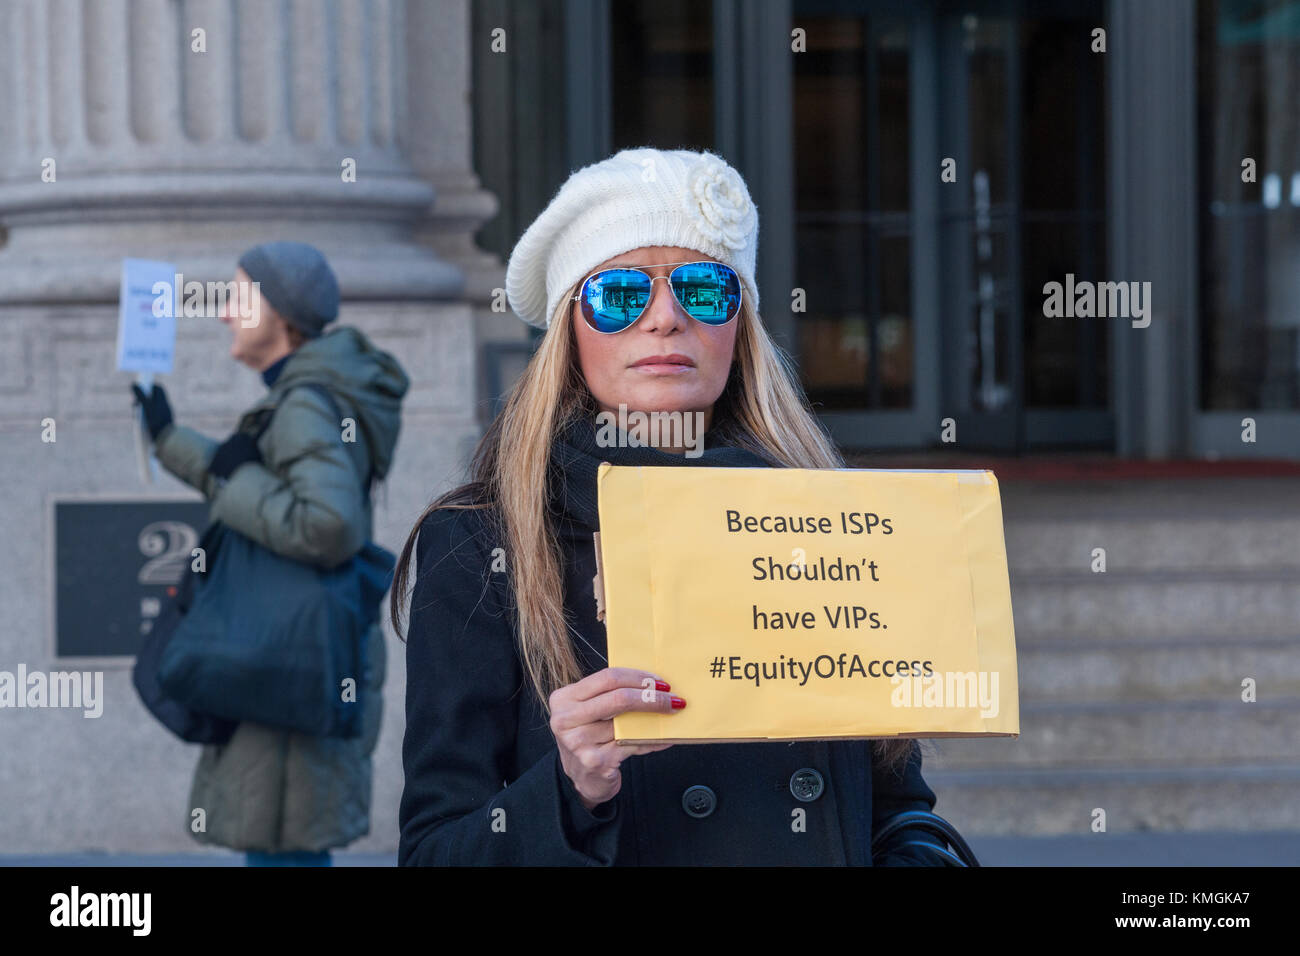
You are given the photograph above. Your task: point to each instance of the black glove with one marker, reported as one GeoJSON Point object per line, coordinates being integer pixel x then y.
{"type": "Point", "coordinates": [239, 448]}
{"type": "Point", "coordinates": [157, 413]}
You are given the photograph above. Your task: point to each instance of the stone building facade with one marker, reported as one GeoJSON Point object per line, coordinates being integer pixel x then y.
{"type": "Point", "coordinates": [187, 132]}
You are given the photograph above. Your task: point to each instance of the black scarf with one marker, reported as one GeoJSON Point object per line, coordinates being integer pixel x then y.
{"type": "Point", "coordinates": [575, 456]}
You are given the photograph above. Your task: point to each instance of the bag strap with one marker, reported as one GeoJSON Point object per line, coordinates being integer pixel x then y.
{"type": "Point", "coordinates": [931, 821]}
{"type": "Point", "coordinates": [952, 859]}
{"type": "Point", "coordinates": [328, 394]}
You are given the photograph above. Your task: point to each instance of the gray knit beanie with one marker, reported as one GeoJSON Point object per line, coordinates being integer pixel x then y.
{"type": "Point", "coordinates": [297, 281]}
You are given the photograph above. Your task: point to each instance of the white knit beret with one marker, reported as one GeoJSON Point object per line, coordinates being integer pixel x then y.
{"type": "Point", "coordinates": [637, 197]}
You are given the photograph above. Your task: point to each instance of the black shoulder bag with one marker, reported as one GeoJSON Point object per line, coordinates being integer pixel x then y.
{"type": "Point", "coordinates": [956, 852]}
{"type": "Point", "coordinates": [222, 672]}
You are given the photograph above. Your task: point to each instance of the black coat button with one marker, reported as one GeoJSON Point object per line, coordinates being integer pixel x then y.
{"type": "Point", "coordinates": [699, 801]}
{"type": "Point", "coordinates": [807, 785]}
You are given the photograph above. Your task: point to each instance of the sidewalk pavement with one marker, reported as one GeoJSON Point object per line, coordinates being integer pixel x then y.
{"type": "Point", "coordinates": [1098, 849]}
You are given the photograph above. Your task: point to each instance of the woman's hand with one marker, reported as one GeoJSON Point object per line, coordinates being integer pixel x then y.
{"type": "Point", "coordinates": [239, 448]}
{"type": "Point", "coordinates": [157, 410]}
{"type": "Point", "coordinates": [582, 720]}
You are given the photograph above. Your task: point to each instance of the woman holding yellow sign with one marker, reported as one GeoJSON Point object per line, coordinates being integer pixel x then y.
{"type": "Point", "coordinates": [509, 750]}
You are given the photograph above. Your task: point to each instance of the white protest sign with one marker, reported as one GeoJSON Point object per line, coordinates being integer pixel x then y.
{"type": "Point", "coordinates": [146, 327]}
{"type": "Point", "coordinates": [146, 333]}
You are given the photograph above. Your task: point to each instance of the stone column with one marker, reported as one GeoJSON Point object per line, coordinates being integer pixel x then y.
{"type": "Point", "coordinates": [188, 131]}
{"type": "Point", "coordinates": [441, 144]}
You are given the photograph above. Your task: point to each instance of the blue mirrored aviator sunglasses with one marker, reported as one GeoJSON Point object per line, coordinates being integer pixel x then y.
{"type": "Point", "coordinates": [613, 299]}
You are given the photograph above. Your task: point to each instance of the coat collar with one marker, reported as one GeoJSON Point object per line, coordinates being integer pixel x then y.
{"type": "Point", "coordinates": [576, 455]}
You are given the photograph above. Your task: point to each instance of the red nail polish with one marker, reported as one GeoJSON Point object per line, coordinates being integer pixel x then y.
{"type": "Point", "coordinates": [662, 685]}
{"type": "Point", "coordinates": [678, 703]}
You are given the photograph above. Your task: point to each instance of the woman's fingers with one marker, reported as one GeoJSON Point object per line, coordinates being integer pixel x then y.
{"type": "Point", "coordinates": [603, 681]}
{"type": "Point", "coordinates": [582, 720]}
{"type": "Point", "coordinates": [620, 700]}
{"type": "Point", "coordinates": [603, 695]}
{"type": "Point", "coordinates": [589, 735]}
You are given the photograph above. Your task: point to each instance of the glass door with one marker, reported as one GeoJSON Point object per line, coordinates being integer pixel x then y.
{"type": "Point", "coordinates": [1249, 76]}
{"type": "Point", "coordinates": [864, 312]}
{"type": "Point", "coordinates": [949, 161]}
{"type": "Point", "coordinates": [1023, 110]}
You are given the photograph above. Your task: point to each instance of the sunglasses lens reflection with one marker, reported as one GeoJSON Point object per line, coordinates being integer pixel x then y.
{"type": "Point", "coordinates": [612, 300]}
{"type": "Point", "coordinates": [708, 291]}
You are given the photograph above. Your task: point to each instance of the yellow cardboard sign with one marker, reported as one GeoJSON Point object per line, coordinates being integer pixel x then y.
{"type": "Point", "coordinates": [800, 604]}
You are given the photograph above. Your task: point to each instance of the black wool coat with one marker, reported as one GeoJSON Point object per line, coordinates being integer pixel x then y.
{"type": "Point", "coordinates": [484, 784]}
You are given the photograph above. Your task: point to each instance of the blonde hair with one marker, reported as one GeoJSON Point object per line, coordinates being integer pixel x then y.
{"type": "Point", "coordinates": [762, 409]}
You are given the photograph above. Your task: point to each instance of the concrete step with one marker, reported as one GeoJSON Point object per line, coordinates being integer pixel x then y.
{"type": "Point", "coordinates": [1046, 802]}
{"type": "Point", "coordinates": [1080, 669]}
{"type": "Point", "coordinates": [1131, 679]}
{"type": "Point", "coordinates": [1148, 734]}
{"type": "Point", "coordinates": [1164, 604]}
{"type": "Point", "coordinates": [1266, 542]}
{"type": "Point", "coordinates": [1142, 500]}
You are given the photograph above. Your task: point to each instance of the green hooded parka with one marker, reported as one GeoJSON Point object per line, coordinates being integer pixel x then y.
{"type": "Point", "coordinates": [268, 789]}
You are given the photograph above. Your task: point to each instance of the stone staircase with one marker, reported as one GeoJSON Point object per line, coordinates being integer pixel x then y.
{"type": "Point", "coordinates": [1131, 680]}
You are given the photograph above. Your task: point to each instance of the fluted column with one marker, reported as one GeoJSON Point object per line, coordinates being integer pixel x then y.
{"type": "Point", "coordinates": [439, 50]}
{"type": "Point", "coordinates": [162, 149]}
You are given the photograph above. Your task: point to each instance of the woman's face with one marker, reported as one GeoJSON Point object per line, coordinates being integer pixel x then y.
{"type": "Point", "coordinates": [665, 362]}
{"type": "Point", "coordinates": [260, 335]}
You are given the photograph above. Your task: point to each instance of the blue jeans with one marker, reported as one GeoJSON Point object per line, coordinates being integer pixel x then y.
{"type": "Point", "coordinates": [292, 858]}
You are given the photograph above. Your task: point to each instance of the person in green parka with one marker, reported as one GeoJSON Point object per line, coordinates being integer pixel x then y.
{"type": "Point", "coordinates": [283, 797]}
